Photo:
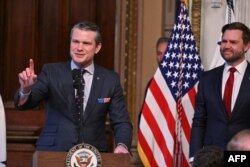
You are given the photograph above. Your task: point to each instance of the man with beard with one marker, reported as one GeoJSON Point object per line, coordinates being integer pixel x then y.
{"type": "Point", "coordinates": [221, 111]}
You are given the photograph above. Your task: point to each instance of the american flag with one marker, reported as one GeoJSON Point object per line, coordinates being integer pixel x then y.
{"type": "Point", "coordinates": [167, 112]}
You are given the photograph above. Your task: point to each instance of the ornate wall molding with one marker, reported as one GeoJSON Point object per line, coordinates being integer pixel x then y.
{"type": "Point", "coordinates": [126, 48]}
{"type": "Point", "coordinates": [130, 55]}
{"type": "Point", "coordinates": [126, 53]}
{"type": "Point", "coordinates": [196, 20]}
{"type": "Point", "coordinates": [128, 59]}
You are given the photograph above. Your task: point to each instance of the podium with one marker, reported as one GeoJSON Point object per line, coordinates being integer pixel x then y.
{"type": "Point", "coordinates": [58, 159]}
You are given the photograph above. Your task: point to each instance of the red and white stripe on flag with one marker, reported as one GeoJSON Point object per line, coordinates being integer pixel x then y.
{"type": "Point", "coordinates": [167, 112]}
{"type": "Point", "coordinates": [157, 129]}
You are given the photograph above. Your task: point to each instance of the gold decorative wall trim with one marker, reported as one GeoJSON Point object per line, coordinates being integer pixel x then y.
{"type": "Point", "coordinates": [196, 20]}
{"type": "Point", "coordinates": [126, 53]}
{"type": "Point", "coordinates": [130, 55]}
{"type": "Point", "coordinates": [128, 60]}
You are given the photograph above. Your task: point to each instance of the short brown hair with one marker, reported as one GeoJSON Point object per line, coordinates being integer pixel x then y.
{"type": "Point", "coordinates": [238, 26]}
{"type": "Point", "coordinates": [88, 26]}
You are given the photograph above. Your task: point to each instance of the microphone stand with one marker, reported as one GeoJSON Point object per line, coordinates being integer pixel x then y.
{"type": "Point", "coordinates": [77, 84]}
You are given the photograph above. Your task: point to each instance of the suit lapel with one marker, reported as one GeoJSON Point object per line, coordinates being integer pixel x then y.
{"type": "Point", "coordinates": [67, 89]}
{"type": "Point", "coordinates": [218, 82]}
{"type": "Point", "coordinates": [243, 92]}
{"type": "Point", "coordinates": [218, 78]}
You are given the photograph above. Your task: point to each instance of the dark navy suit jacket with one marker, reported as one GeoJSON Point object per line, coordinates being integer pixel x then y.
{"type": "Point", "coordinates": [61, 130]}
{"type": "Point", "coordinates": [211, 125]}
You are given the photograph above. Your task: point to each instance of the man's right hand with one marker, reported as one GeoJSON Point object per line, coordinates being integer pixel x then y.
{"type": "Point", "coordinates": [27, 78]}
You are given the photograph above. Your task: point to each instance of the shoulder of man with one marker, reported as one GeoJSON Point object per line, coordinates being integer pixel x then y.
{"type": "Point", "coordinates": [100, 69]}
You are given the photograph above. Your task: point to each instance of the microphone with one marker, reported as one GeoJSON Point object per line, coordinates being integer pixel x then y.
{"type": "Point", "coordinates": [77, 77]}
{"type": "Point", "coordinates": [76, 74]}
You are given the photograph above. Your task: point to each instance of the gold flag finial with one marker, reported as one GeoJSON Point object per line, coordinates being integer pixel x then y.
{"type": "Point", "coordinates": [185, 2]}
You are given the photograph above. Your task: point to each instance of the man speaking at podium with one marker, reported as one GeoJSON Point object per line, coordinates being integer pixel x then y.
{"type": "Point", "coordinates": [68, 123]}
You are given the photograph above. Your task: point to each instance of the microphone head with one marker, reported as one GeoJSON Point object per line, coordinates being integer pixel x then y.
{"type": "Point", "coordinates": [76, 75]}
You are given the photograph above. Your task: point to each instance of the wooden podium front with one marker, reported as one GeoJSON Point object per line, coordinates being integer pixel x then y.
{"type": "Point", "coordinates": [58, 159]}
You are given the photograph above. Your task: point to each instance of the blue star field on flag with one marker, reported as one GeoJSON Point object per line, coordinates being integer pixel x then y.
{"type": "Point", "coordinates": [181, 59]}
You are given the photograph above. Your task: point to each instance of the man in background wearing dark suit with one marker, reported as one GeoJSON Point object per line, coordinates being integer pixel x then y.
{"type": "Point", "coordinates": [103, 95]}
{"type": "Point", "coordinates": [215, 123]}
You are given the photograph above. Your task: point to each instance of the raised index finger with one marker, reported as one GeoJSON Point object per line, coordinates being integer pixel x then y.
{"type": "Point", "coordinates": [31, 66]}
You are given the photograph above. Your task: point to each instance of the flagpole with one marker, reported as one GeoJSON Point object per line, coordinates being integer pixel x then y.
{"type": "Point", "coordinates": [178, 141]}
{"type": "Point", "coordinates": [230, 8]}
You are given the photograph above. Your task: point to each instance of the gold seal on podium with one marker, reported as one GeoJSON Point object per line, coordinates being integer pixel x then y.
{"type": "Point", "coordinates": [83, 155]}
